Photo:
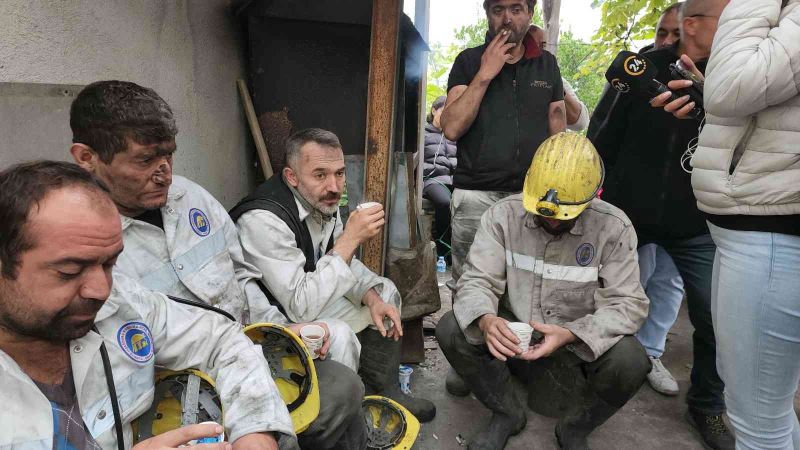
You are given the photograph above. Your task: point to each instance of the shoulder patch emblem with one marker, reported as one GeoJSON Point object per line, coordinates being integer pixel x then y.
{"type": "Point", "coordinates": [199, 222]}
{"type": "Point", "coordinates": [135, 340]}
{"type": "Point", "coordinates": [585, 254]}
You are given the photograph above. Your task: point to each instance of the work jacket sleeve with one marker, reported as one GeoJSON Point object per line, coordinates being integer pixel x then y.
{"type": "Point", "coordinates": [755, 59]}
{"type": "Point", "coordinates": [270, 245]}
{"type": "Point", "coordinates": [620, 302]}
{"type": "Point", "coordinates": [483, 282]}
{"type": "Point", "coordinates": [248, 276]}
{"type": "Point", "coordinates": [188, 337]}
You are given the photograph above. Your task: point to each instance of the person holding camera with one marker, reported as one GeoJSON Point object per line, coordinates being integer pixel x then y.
{"type": "Point", "coordinates": [644, 150]}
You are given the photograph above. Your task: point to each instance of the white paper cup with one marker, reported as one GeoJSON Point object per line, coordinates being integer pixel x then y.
{"type": "Point", "coordinates": [313, 336]}
{"type": "Point", "coordinates": [367, 205]}
{"type": "Point", "coordinates": [523, 331]}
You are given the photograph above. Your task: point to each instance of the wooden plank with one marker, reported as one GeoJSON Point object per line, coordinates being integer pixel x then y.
{"type": "Point", "coordinates": [255, 129]}
{"type": "Point", "coordinates": [383, 64]}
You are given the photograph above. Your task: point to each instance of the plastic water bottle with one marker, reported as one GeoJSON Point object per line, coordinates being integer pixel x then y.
{"type": "Point", "coordinates": [441, 266]}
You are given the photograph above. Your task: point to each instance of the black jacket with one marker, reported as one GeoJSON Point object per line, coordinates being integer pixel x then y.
{"type": "Point", "coordinates": [513, 120]}
{"type": "Point", "coordinates": [275, 196]}
{"type": "Point", "coordinates": [642, 148]}
{"type": "Point", "coordinates": [440, 157]}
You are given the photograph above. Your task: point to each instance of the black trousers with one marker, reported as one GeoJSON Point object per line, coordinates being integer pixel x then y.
{"type": "Point", "coordinates": [340, 424]}
{"type": "Point", "coordinates": [440, 195]}
{"type": "Point", "coordinates": [615, 377]}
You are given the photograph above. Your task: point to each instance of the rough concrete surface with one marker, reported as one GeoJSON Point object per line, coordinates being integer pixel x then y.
{"type": "Point", "coordinates": [189, 51]}
{"type": "Point", "coordinates": [648, 421]}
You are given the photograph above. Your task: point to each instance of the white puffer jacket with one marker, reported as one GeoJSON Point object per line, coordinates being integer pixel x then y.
{"type": "Point", "coordinates": [748, 160]}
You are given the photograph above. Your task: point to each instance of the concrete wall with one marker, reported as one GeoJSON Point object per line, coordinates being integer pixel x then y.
{"type": "Point", "coordinates": [190, 51]}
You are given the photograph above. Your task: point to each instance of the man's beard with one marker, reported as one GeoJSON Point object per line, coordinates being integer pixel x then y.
{"type": "Point", "coordinates": [563, 227]}
{"type": "Point", "coordinates": [515, 37]}
{"type": "Point", "coordinates": [325, 210]}
{"type": "Point", "coordinates": [20, 320]}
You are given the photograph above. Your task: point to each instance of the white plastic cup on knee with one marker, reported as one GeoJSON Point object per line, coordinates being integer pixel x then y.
{"type": "Point", "coordinates": [523, 331]}
{"type": "Point", "coordinates": [313, 336]}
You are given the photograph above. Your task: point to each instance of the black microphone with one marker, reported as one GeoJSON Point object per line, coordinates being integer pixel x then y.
{"type": "Point", "coordinates": [634, 73]}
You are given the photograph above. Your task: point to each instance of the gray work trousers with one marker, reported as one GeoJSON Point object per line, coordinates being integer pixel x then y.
{"type": "Point", "coordinates": [340, 424]}
{"type": "Point", "coordinates": [466, 209]}
{"type": "Point", "coordinates": [614, 377]}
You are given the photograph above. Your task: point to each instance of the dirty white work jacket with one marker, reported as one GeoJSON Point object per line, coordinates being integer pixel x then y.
{"type": "Point", "coordinates": [585, 280]}
{"type": "Point", "coordinates": [196, 256]}
{"type": "Point", "coordinates": [333, 290]}
{"type": "Point", "coordinates": [748, 158]}
{"type": "Point", "coordinates": [175, 337]}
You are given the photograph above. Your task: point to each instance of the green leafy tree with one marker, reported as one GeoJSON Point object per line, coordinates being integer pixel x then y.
{"type": "Point", "coordinates": [623, 22]}
{"type": "Point", "coordinates": [573, 55]}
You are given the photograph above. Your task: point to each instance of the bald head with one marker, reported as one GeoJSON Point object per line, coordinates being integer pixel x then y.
{"type": "Point", "coordinates": [699, 20]}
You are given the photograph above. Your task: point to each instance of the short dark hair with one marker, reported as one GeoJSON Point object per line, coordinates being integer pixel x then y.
{"type": "Point", "coordinates": [106, 114]}
{"type": "Point", "coordinates": [675, 7]}
{"type": "Point", "coordinates": [487, 3]}
{"type": "Point", "coordinates": [436, 105]}
{"type": "Point", "coordinates": [296, 141]}
{"type": "Point", "coordinates": [22, 187]}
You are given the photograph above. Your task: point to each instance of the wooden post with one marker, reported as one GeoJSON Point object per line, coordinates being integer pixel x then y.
{"type": "Point", "coordinates": [552, 24]}
{"type": "Point", "coordinates": [384, 41]}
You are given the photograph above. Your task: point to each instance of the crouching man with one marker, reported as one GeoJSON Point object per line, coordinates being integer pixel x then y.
{"type": "Point", "coordinates": [563, 261]}
{"type": "Point", "coordinates": [60, 318]}
{"type": "Point", "coordinates": [291, 231]}
{"type": "Point", "coordinates": [180, 240]}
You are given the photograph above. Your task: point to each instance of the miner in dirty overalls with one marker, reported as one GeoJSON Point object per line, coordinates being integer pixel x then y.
{"type": "Point", "coordinates": [560, 259]}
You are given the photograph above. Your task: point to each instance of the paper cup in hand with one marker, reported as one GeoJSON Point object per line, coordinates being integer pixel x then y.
{"type": "Point", "coordinates": [367, 205]}
{"type": "Point", "coordinates": [313, 336]}
{"type": "Point", "coordinates": [523, 331]}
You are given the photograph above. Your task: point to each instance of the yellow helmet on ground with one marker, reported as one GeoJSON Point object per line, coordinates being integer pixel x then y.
{"type": "Point", "coordinates": [292, 369]}
{"type": "Point", "coordinates": [565, 175]}
{"type": "Point", "coordinates": [389, 425]}
{"type": "Point", "coordinates": [181, 398]}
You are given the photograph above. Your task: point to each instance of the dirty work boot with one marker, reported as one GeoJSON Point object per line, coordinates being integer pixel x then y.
{"type": "Point", "coordinates": [572, 431]}
{"type": "Point", "coordinates": [455, 385]}
{"type": "Point", "coordinates": [661, 380]}
{"type": "Point", "coordinates": [712, 429]}
{"type": "Point", "coordinates": [496, 434]}
{"type": "Point", "coordinates": [379, 369]}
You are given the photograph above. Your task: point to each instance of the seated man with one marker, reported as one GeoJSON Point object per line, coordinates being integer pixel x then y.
{"type": "Point", "coordinates": [178, 239]}
{"type": "Point", "coordinates": [564, 261]}
{"type": "Point", "coordinates": [291, 231]}
{"type": "Point", "coordinates": [60, 318]}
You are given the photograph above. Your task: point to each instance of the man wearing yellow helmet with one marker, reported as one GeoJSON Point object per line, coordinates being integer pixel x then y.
{"type": "Point", "coordinates": [559, 259]}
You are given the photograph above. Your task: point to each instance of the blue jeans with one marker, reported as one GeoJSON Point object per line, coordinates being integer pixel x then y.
{"type": "Point", "coordinates": [664, 287]}
{"type": "Point", "coordinates": [756, 307]}
{"type": "Point", "coordinates": [694, 259]}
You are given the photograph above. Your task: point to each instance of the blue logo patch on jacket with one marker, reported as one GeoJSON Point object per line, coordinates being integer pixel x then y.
{"type": "Point", "coordinates": [585, 254]}
{"type": "Point", "coordinates": [135, 340]}
{"type": "Point", "coordinates": [199, 222]}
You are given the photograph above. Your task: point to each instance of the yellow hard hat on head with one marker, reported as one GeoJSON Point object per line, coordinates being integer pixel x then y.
{"type": "Point", "coordinates": [565, 175]}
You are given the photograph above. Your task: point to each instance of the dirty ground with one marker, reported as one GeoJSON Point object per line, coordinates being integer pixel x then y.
{"type": "Point", "coordinates": [650, 420]}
